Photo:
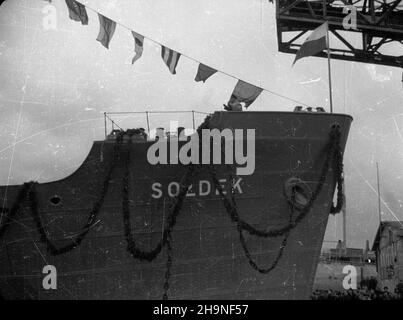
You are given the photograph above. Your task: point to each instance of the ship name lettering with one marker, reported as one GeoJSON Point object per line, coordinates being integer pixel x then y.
{"type": "Point", "coordinates": [202, 188]}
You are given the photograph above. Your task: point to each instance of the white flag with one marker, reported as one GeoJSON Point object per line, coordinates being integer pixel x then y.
{"type": "Point", "coordinates": [315, 43]}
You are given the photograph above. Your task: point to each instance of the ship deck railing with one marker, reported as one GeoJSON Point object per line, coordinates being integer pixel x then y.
{"type": "Point", "coordinates": [110, 120]}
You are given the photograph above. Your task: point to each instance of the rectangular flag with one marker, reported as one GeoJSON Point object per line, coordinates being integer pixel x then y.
{"type": "Point", "coordinates": [77, 11]}
{"type": "Point", "coordinates": [170, 58]}
{"type": "Point", "coordinates": [315, 43]}
{"type": "Point", "coordinates": [106, 30]}
{"type": "Point", "coordinates": [138, 46]}
{"type": "Point", "coordinates": [244, 92]}
{"type": "Point", "coordinates": [204, 72]}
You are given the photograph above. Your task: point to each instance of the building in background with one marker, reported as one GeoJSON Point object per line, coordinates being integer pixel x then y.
{"type": "Point", "coordinates": [388, 247]}
{"type": "Point", "coordinates": [329, 273]}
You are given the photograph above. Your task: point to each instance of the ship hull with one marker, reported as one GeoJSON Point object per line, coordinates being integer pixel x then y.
{"type": "Point", "coordinates": [208, 259]}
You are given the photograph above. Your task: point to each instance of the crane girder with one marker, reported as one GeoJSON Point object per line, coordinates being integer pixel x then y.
{"type": "Point", "coordinates": [378, 29]}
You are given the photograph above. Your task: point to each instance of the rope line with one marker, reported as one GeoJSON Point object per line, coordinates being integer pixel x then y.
{"type": "Point", "coordinates": [197, 61]}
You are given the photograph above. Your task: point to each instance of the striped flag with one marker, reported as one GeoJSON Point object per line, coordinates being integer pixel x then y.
{"type": "Point", "coordinates": [106, 30]}
{"type": "Point", "coordinates": [138, 46]}
{"type": "Point", "coordinates": [77, 11]}
{"type": "Point", "coordinates": [244, 92]}
{"type": "Point", "coordinates": [315, 43]}
{"type": "Point", "coordinates": [204, 72]}
{"type": "Point", "coordinates": [170, 58]}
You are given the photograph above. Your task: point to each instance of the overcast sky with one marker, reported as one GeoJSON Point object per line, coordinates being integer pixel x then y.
{"type": "Point", "coordinates": [55, 85]}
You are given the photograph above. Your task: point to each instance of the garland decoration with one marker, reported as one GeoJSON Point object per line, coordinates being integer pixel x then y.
{"type": "Point", "coordinates": [334, 155]}
{"type": "Point", "coordinates": [9, 214]}
{"type": "Point", "coordinates": [173, 212]}
{"type": "Point", "coordinates": [28, 190]}
{"type": "Point", "coordinates": [331, 154]}
{"type": "Point", "coordinates": [339, 177]}
{"type": "Point", "coordinates": [168, 268]}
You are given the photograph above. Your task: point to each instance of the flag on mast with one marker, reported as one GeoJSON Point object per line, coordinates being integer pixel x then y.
{"type": "Point", "coordinates": [106, 30]}
{"type": "Point", "coordinates": [170, 58]}
{"type": "Point", "coordinates": [138, 46]}
{"type": "Point", "coordinates": [315, 43]}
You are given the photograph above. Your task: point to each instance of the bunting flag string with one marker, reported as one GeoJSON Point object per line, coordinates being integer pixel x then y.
{"type": "Point", "coordinates": [243, 92]}
{"type": "Point", "coordinates": [77, 11]}
{"type": "Point", "coordinates": [106, 30]}
{"type": "Point", "coordinates": [204, 72]}
{"type": "Point", "coordinates": [138, 46]}
{"type": "Point", "coordinates": [170, 58]}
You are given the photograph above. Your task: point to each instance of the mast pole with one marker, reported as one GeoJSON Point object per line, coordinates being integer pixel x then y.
{"type": "Point", "coordinates": [328, 67]}
{"type": "Point", "coordinates": [379, 194]}
{"type": "Point", "coordinates": [148, 123]}
{"type": "Point", "coordinates": [344, 229]}
{"type": "Point", "coordinates": [106, 133]}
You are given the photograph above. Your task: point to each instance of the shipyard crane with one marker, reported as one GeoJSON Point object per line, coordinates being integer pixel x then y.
{"type": "Point", "coordinates": [377, 38]}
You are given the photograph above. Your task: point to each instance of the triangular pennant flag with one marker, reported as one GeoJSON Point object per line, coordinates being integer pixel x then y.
{"type": "Point", "coordinates": [243, 92]}
{"type": "Point", "coordinates": [315, 43]}
{"type": "Point", "coordinates": [204, 72]}
{"type": "Point", "coordinates": [106, 30]}
{"type": "Point", "coordinates": [77, 11]}
{"type": "Point", "coordinates": [170, 58]}
{"type": "Point", "coordinates": [138, 46]}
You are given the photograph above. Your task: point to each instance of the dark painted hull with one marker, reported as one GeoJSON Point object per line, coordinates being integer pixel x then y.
{"type": "Point", "coordinates": [208, 260]}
